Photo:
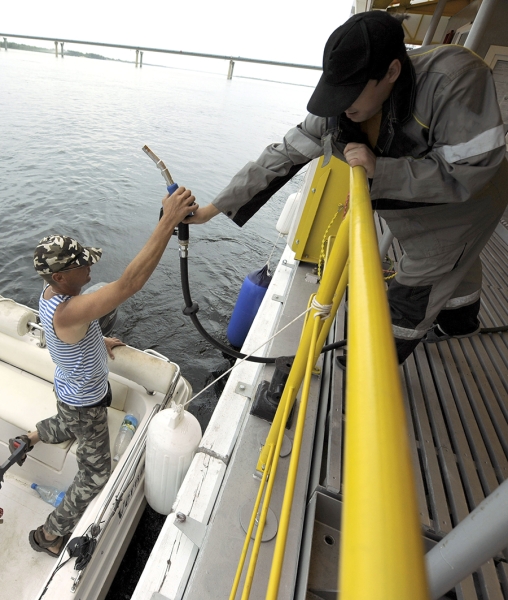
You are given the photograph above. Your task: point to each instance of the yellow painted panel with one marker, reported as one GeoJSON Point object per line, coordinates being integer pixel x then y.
{"type": "Point", "coordinates": [327, 196]}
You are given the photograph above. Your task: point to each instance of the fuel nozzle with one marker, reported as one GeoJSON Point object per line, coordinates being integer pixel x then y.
{"type": "Point", "coordinates": [170, 184]}
{"type": "Point", "coordinates": [183, 228]}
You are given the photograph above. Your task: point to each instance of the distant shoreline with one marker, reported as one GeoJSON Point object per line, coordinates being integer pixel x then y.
{"type": "Point", "coordinates": [93, 55]}
{"type": "Point", "coordinates": [15, 46]}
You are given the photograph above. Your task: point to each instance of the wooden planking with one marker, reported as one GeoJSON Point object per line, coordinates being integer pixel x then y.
{"type": "Point", "coordinates": [502, 573]}
{"type": "Point", "coordinates": [459, 396]}
{"type": "Point", "coordinates": [414, 443]}
{"type": "Point", "coordinates": [477, 421]}
{"type": "Point", "coordinates": [490, 586]}
{"type": "Point", "coordinates": [432, 499]}
{"type": "Point", "coordinates": [456, 411]}
{"type": "Point", "coordinates": [450, 474]}
{"type": "Point", "coordinates": [487, 414]}
{"type": "Point", "coordinates": [456, 396]}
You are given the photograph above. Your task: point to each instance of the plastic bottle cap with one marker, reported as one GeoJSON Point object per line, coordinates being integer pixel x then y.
{"type": "Point", "coordinates": [131, 419]}
{"type": "Point", "coordinates": [34, 486]}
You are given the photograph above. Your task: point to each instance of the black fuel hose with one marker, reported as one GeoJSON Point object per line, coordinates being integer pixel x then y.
{"type": "Point", "coordinates": [191, 308]}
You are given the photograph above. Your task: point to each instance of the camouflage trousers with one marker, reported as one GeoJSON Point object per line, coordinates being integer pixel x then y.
{"type": "Point", "coordinates": [89, 426]}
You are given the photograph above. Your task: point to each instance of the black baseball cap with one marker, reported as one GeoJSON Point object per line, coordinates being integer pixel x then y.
{"type": "Point", "coordinates": [357, 51]}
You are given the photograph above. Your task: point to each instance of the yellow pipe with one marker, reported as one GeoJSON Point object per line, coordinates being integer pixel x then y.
{"type": "Point", "coordinates": [381, 553]}
{"type": "Point", "coordinates": [325, 330]}
{"type": "Point", "coordinates": [280, 545]}
{"type": "Point", "coordinates": [250, 529]}
{"type": "Point", "coordinates": [272, 468]}
{"type": "Point", "coordinates": [324, 296]}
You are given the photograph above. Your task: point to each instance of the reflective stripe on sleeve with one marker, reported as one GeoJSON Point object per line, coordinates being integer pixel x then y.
{"type": "Point", "coordinates": [303, 144]}
{"type": "Point", "coordinates": [485, 142]}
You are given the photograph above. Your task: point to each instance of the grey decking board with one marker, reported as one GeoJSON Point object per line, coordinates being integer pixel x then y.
{"type": "Point", "coordinates": [414, 445]}
{"type": "Point", "coordinates": [469, 486]}
{"type": "Point", "coordinates": [465, 434]}
{"type": "Point", "coordinates": [494, 371]}
{"type": "Point", "coordinates": [494, 303]}
{"type": "Point", "coordinates": [456, 394]}
{"type": "Point", "coordinates": [449, 468]}
{"type": "Point", "coordinates": [486, 416]}
{"type": "Point", "coordinates": [466, 589]}
{"type": "Point", "coordinates": [495, 345]}
{"type": "Point", "coordinates": [494, 270]}
{"type": "Point", "coordinates": [487, 409]}
{"type": "Point", "coordinates": [436, 516]}
{"type": "Point", "coordinates": [493, 311]}
{"type": "Point", "coordinates": [489, 582]}
{"type": "Point", "coordinates": [502, 573]}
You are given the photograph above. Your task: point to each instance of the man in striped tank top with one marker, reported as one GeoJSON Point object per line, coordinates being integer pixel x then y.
{"type": "Point", "coordinates": [80, 352]}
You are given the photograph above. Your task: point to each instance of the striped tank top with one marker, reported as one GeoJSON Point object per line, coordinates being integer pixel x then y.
{"type": "Point", "coordinates": [81, 374]}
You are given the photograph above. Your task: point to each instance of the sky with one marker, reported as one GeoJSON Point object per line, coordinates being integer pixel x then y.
{"type": "Point", "coordinates": [282, 30]}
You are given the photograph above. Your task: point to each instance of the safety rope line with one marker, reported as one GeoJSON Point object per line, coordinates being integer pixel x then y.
{"type": "Point", "coordinates": [276, 243]}
{"type": "Point", "coordinates": [322, 310]}
{"type": "Point", "coordinates": [390, 272]}
{"type": "Point", "coordinates": [248, 356]}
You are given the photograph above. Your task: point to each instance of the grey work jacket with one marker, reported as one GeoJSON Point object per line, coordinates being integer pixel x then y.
{"type": "Point", "coordinates": [441, 139]}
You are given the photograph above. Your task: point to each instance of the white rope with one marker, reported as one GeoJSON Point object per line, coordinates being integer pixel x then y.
{"type": "Point", "coordinates": [247, 357]}
{"type": "Point", "coordinates": [273, 249]}
{"type": "Point", "coordinates": [322, 310]}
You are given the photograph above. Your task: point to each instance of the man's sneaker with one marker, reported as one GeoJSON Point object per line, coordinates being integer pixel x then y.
{"type": "Point", "coordinates": [436, 334]}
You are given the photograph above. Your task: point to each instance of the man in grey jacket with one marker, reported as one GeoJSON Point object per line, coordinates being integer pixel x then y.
{"type": "Point", "coordinates": [428, 131]}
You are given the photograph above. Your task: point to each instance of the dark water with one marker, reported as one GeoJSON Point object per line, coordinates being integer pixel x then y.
{"type": "Point", "coordinates": [72, 131]}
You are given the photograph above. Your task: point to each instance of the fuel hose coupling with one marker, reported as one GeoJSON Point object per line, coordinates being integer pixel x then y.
{"type": "Point", "coordinates": [183, 248]}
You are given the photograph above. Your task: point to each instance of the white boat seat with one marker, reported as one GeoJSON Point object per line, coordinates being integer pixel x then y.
{"type": "Point", "coordinates": [27, 373]}
{"type": "Point", "coordinates": [19, 348]}
{"type": "Point", "coordinates": [29, 357]}
{"type": "Point", "coordinates": [28, 399]}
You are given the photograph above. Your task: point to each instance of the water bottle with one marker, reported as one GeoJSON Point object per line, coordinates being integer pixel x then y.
{"type": "Point", "coordinates": [127, 430]}
{"type": "Point", "coordinates": [49, 494]}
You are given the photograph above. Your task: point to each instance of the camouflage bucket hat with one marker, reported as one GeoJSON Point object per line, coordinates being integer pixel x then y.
{"type": "Point", "coordinates": [55, 253]}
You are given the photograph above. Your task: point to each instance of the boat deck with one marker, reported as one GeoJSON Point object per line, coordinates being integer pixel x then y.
{"type": "Point", "coordinates": [456, 395]}
{"type": "Point", "coordinates": [457, 405]}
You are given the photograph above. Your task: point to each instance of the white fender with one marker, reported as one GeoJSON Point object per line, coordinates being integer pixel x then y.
{"type": "Point", "coordinates": [172, 440]}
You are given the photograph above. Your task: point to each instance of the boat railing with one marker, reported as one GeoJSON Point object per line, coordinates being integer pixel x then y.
{"type": "Point", "coordinates": [381, 552]}
{"type": "Point", "coordinates": [381, 547]}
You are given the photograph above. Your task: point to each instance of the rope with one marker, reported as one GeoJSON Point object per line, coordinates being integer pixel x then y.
{"type": "Point", "coordinates": [276, 243]}
{"type": "Point", "coordinates": [390, 272]}
{"type": "Point", "coordinates": [322, 310]}
{"type": "Point", "coordinates": [248, 355]}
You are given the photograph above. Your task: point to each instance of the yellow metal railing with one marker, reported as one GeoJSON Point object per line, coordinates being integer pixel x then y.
{"type": "Point", "coordinates": [381, 545]}
{"type": "Point", "coordinates": [381, 552]}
